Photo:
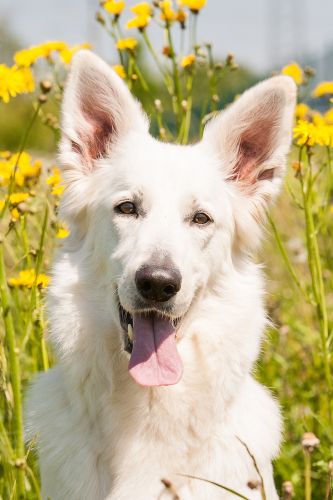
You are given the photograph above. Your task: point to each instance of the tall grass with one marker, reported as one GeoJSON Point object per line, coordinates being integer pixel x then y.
{"type": "Point", "coordinates": [296, 362]}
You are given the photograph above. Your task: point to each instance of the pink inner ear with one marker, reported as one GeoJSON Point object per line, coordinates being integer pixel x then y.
{"type": "Point", "coordinates": [102, 129]}
{"type": "Point", "coordinates": [255, 146]}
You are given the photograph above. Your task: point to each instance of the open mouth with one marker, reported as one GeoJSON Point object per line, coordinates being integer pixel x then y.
{"type": "Point", "coordinates": [150, 339]}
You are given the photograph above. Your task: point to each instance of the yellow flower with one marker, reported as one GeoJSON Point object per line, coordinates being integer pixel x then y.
{"type": "Point", "coordinates": [302, 110]}
{"type": "Point", "coordinates": [323, 88]}
{"type": "Point", "coordinates": [139, 22]}
{"type": "Point", "coordinates": [167, 12]}
{"type": "Point", "coordinates": [114, 7]}
{"type": "Point", "coordinates": [27, 57]}
{"type": "Point", "coordinates": [58, 190]}
{"type": "Point", "coordinates": [325, 135]}
{"type": "Point", "coordinates": [181, 16]}
{"type": "Point", "coordinates": [194, 5]}
{"type": "Point", "coordinates": [316, 133]}
{"type": "Point", "coordinates": [143, 12]}
{"type": "Point", "coordinates": [25, 171]}
{"type": "Point", "coordinates": [28, 278]}
{"type": "Point", "coordinates": [188, 60]}
{"type": "Point", "coordinates": [126, 44]}
{"type": "Point", "coordinates": [55, 180]}
{"type": "Point", "coordinates": [295, 72]}
{"type": "Point", "coordinates": [142, 9]}
{"type": "Point", "coordinates": [15, 214]}
{"type": "Point", "coordinates": [67, 53]}
{"type": "Point", "coordinates": [55, 177]}
{"type": "Point", "coordinates": [120, 70]}
{"type": "Point", "coordinates": [14, 80]}
{"type": "Point", "coordinates": [62, 232]}
{"type": "Point", "coordinates": [305, 133]}
{"type": "Point", "coordinates": [17, 198]}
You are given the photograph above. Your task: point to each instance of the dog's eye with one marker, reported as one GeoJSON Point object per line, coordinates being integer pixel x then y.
{"type": "Point", "coordinates": [126, 208]}
{"type": "Point", "coordinates": [201, 218]}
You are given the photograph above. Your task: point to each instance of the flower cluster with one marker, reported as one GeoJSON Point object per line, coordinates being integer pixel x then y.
{"type": "Point", "coordinates": [27, 57]}
{"type": "Point", "coordinates": [28, 278]}
{"type": "Point", "coordinates": [311, 133]}
{"type": "Point", "coordinates": [21, 166]}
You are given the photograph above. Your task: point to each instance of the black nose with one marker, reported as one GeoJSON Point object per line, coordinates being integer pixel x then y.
{"type": "Point", "coordinates": [158, 283]}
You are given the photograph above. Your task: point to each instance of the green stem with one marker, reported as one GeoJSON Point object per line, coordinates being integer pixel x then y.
{"type": "Point", "coordinates": [15, 374]}
{"type": "Point", "coordinates": [21, 149]}
{"type": "Point", "coordinates": [286, 258]}
{"type": "Point", "coordinates": [176, 78]}
{"type": "Point", "coordinates": [33, 296]}
{"type": "Point", "coordinates": [316, 272]}
{"type": "Point", "coordinates": [188, 113]}
{"type": "Point", "coordinates": [307, 472]}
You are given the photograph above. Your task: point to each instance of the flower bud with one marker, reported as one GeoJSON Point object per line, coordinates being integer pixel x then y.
{"type": "Point", "coordinates": [309, 442]}
{"type": "Point", "coordinates": [45, 86]}
{"type": "Point", "coordinates": [287, 490]}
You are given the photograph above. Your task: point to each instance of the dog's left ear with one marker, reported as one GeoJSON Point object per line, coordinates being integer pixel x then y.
{"type": "Point", "coordinates": [252, 137]}
{"type": "Point", "coordinates": [98, 110]}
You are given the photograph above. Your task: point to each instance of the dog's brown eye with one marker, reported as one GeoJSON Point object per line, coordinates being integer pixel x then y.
{"type": "Point", "coordinates": [201, 218]}
{"type": "Point", "coordinates": [126, 208]}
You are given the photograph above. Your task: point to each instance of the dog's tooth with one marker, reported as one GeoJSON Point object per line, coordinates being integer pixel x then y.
{"type": "Point", "coordinates": [130, 331]}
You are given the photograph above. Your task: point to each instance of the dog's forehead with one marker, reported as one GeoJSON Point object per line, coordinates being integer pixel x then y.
{"type": "Point", "coordinates": [165, 168]}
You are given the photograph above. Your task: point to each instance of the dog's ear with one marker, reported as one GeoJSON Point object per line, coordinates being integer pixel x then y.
{"type": "Point", "coordinates": [251, 140]}
{"type": "Point", "coordinates": [252, 137]}
{"type": "Point", "coordinates": [98, 110]}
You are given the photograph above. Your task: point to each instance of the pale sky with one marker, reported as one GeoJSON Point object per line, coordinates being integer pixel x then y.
{"type": "Point", "coordinates": [263, 34]}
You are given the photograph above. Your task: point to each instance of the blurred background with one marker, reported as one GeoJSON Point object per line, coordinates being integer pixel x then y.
{"type": "Point", "coordinates": [264, 35]}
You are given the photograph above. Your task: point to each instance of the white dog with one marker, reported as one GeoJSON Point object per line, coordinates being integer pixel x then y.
{"type": "Point", "coordinates": [156, 308]}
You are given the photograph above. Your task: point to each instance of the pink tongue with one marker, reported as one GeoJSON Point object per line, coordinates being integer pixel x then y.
{"type": "Point", "coordinates": [155, 360]}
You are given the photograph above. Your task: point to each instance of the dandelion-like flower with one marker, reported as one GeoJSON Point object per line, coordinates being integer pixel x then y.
{"type": "Point", "coordinates": [62, 231]}
{"type": "Point", "coordinates": [114, 7]}
{"type": "Point", "coordinates": [67, 54]}
{"type": "Point", "coordinates": [55, 181]}
{"type": "Point", "coordinates": [28, 57]}
{"type": "Point", "coordinates": [188, 61]}
{"type": "Point", "coordinates": [305, 133]}
{"type": "Point", "coordinates": [26, 169]}
{"type": "Point", "coordinates": [143, 12]}
{"type": "Point", "coordinates": [167, 13]}
{"type": "Point", "coordinates": [28, 278]}
{"type": "Point", "coordinates": [14, 81]}
{"type": "Point", "coordinates": [17, 198]}
{"type": "Point", "coordinates": [295, 72]}
{"type": "Point", "coordinates": [120, 70]}
{"type": "Point", "coordinates": [126, 44]}
{"type": "Point", "coordinates": [323, 88]}
{"type": "Point", "coordinates": [181, 17]}
{"type": "Point", "coordinates": [194, 5]}
{"type": "Point", "coordinates": [302, 110]}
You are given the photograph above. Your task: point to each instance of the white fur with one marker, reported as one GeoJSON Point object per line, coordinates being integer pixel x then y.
{"type": "Point", "coordinates": [101, 436]}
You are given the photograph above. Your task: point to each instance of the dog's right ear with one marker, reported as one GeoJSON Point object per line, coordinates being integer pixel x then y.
{"type": "Point", "coordinates": [98, 110]}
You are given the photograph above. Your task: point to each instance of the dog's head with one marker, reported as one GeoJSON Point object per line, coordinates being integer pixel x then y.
{"type": "Point", "coordinates": [158, 224]}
